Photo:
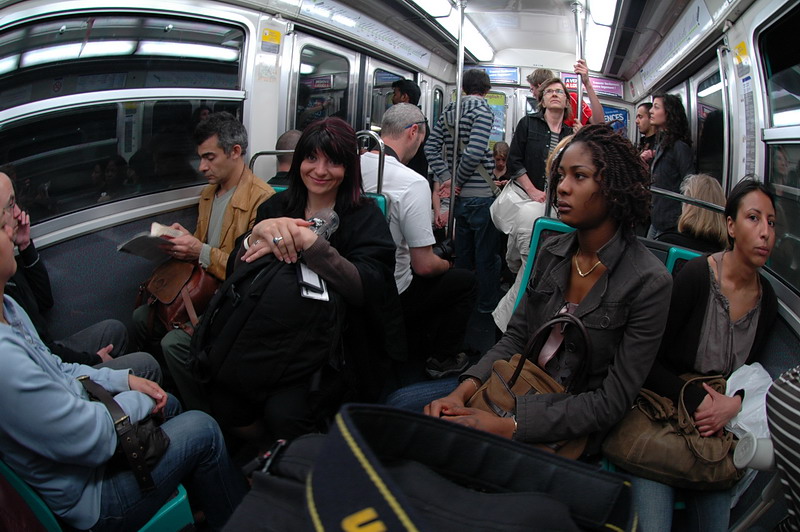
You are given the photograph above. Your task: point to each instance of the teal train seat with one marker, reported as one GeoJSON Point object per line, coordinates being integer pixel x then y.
{"type": "Point", "coordinates": [175, 515]}
{"type": "Point", "coordinates": [380, 199]}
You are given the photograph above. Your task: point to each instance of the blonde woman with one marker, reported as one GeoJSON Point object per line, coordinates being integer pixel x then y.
{"type": "Point", "coordinates": [698, 228]}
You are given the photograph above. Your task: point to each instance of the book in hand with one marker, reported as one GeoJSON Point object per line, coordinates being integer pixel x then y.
{"type": "Point", "coordinates": [151, 244]}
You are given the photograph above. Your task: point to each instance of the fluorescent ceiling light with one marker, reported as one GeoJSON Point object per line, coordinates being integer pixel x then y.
{"type": "Point", "coordinates": [603, 11]}
{"type": "Point", "coordinates": [448, 19]}
{"type": "Point", "coordinates": [67, 52]}
{"type": "Point", "coordinates": [305, 68]}
{"type": "Point", "coordinates": [7, 64]}
{"type": "Point", "coordinates": [787, 118]}
{"type": "Point", "coordinates": [716, 87]}
{"type": "Point", "coordinates": [177, 49]}
{"type": "Point", "coordinates": [596, 45]}
{"type": "Point", "coordinates": [435, 8]}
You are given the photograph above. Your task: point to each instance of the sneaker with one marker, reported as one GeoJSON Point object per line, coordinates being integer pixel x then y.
{"type": "Point", "coordinates": [443, 368]}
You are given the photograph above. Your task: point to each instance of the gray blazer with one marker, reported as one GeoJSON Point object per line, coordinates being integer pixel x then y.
{"type": "Point", "coordinates": [625, 314]}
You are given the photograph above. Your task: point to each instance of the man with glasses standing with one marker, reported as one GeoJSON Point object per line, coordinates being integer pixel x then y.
{"type": "Point", "coordinates": [437, 301]}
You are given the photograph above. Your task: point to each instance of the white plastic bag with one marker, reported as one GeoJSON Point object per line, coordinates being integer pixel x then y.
{"type": "Point", "coordinates": [755, 381]}
{"type": "Point", "coordinates": [506, 205]}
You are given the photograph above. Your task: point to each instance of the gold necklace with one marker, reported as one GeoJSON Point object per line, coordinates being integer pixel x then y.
{"type": "Point", "coordinates": [577, 266]}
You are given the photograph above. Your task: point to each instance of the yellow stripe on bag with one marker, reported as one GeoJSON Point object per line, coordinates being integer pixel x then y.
{"type": "Point", "coordinates": [384, 490]}
{"type": "Point", "coordinates": [312, 508]}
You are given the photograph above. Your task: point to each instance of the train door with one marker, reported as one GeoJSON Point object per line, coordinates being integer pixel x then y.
{"type": "Point", "coordinates": [324, 79]}
{"type": "Point", "coordinates": [378, 77]}
{"type": "Point", "coordinates": [708, 122]}
{"type": "Point", "coordinates": [432, 99]}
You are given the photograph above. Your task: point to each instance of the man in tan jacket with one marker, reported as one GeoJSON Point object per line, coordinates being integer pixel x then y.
{"type": "Point", "coordinates": [227, 209]}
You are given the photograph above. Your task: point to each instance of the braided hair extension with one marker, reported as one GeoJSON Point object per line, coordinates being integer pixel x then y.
{"type": "Point", "coordinates": [677, 126]}
{"type": "Point", "coordinates": [623, 177]}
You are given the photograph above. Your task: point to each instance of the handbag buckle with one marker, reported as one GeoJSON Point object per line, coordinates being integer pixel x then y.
{"type": "Point", "coordinates": [121, 420]}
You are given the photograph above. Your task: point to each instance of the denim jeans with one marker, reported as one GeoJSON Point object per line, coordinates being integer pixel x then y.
{"type": "Point", "coordinates": [477, 244]}
{"type": "Point", "coordinates": [415, 396]}
{"type": "Point", "coordinates": [196, 457]}
{"type": "Point", "coordinates": [706, 511]}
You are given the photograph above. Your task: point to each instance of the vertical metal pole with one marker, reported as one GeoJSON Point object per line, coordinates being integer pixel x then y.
{"type": "Point", "coordinates": [460, 5]}
{"type": "Point", "coordinates": [577, 8]}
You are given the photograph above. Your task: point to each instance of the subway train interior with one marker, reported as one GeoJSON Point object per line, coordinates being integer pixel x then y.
{"type": "Point", "coordinates": [98, 100]}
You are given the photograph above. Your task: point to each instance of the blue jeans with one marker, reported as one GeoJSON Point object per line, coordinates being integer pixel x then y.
{"type": "Point", "coordinates": [477, 242]}
{"type": "Point", "coordinates": [706, 511]}
{"type": "Point", "coordinates": [196, 457]}
{"type": "Point", "coordinates": [415, 396]}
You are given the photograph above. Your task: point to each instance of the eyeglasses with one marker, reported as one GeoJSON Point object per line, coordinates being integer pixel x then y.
{"type": "Point", "coordinates": [548, 92]}
{"type": "Point", "coordinates": [417, 123]}
{"type": "Point", "coordinates": [12, 202]}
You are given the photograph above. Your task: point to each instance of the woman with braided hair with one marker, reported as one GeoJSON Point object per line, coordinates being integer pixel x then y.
{"type": "Point", "coordinates": [601, 274]}
{"type": "Point", "coordinates": [672, 160]}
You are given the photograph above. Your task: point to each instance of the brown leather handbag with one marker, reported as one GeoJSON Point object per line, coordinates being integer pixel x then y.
{"type": "Point", "coordinates": [177, 293]}
{"type": "Point", "coordinates": [657, 441]}
{"type": "Point", "coordinates": [521, 376]}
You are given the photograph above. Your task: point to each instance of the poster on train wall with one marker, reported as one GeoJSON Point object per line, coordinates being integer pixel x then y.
{"type": "Point", "coordinates": [602, 86]}
{"type": "Point", "coordinates": [618, 119]}
{"type": "Point", "coordinates": [497, 101]}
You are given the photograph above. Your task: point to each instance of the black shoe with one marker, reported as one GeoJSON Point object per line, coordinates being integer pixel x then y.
{"type": "Point", "coordinates": [443, 368]}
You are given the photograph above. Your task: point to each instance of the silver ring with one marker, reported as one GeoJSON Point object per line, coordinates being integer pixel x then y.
{"type": "Point", "coordinates": [257, 242]}
{"type": "Point", "coordinates": [277, 239]}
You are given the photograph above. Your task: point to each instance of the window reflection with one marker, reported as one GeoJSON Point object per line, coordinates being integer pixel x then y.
{"type": "Point", "coordinates": [323, 88]}
{"type": "Point", "coordinates": [781, 62]}
{"type": "Point", "coordinates": [74, 159]}
{"type": "Point", "coordinates": [710, 127]}
{"type": "Point", "coordinates": [785, 184]}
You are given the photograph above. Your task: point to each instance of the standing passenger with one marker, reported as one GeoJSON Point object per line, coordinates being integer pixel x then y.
{"type": "Point", "coordinates": [647, 142]}
{"type": "Point", "coordinates": [602, 275]}
{"type": "Point", "coordinates": [476, 236]}
{"type": "Point", "coordinates": [672, 160]}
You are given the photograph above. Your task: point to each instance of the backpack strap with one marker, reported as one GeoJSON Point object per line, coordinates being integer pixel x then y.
{"type": "Point", "coordinates": [481, 169]}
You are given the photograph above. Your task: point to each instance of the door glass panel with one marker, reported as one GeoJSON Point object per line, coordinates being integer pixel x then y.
{"type": "Point", "coordinates": [710, 119]}
{"type": "Point", "coordinates": [438, 101]}
{"type": "Point", "coordinates": [381, 96]}
{"type": "Point", "coordinates": [781, 59]}
{"type": "Point", "coordinates": [784, 181]}
{"type": "Point", "coordinates": [323, 88]}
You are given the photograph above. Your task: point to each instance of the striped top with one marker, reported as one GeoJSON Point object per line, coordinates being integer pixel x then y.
{"type": "Point", "coordinates": [475, 126]}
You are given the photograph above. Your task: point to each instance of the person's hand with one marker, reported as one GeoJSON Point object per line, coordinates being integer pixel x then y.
{"type": "Point", "coordinates": [582, 70]}
{"type": "Point", "coordinates": [283, 237]}
{"type": "Point", "coordinates": [105, 353]}
{"type": "Point", "coordinates": [149, 388]}
{"type": "Point", "coordinates": [441, 219]}
{"type": "Point", "coordinates": [444, 189]}
{"type": "Point", "coordinates": [444, 406]}
{"type": "Point", "coordinates": [577, 127]}
{"type": "Point", "coordinates": [500, 182]}
{"type": "Point", "coordinates": [23, 236]}
{"type": "Point", "coordinates": [715, 411]}
{"type": "Point", "coordinates": [647, 156]}
{"type": "Point", "coordinates": [481, 420]}
{"type": "Point", "coordinates": [537, 195]}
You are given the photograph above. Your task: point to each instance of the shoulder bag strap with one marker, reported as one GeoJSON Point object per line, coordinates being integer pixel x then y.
{"type": "Point", "coordinates": [126, 435]}
{"type": "Point", "coordinates": [481, 169]}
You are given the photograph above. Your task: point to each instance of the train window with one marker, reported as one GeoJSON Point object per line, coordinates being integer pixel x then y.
{"type": "Point", "coordinates": [79, 54]}
{"type": "Point", "coordinates": [710, 126]}
{"type": "Point", "coordinates": [784, 181]}
{"type": "Point", "coordinates": [438, 102]}
{"type": "Point", "coordinates": [781, 61]}
{"type": "Point", "coordinates": [323, 87]}
{"type": "Point", "coordinates": [77, 158]}
{"type": "Point", "coordinates": [382, 93]}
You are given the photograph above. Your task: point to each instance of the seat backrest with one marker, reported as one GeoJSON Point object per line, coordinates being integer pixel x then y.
{"type": "Point", "coordinates": [35, 503]}
{"type": "Point", "coordinates": [543, 228]}
{"type": "Point", "coordinates": [380, 199]}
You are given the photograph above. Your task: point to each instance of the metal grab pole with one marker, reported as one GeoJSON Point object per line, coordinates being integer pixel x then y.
{"type": "Point", "coordinates": [460, 4]}
{"type": "Point", "coordinates": [579, 52]}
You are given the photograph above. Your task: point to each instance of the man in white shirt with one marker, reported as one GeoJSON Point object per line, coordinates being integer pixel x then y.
{"type": "Point", "coordinates": [437, 300]}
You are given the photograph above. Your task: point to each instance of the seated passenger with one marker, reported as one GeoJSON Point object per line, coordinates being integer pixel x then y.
{"type": "Point", "coordinates": [698, 228]}
{"type": "Point", "coordinates": [720, 314]}
{"type": "Point", "coordinates": [259, 364]}
{"type": "Point", "coordinates": [287, 141]}
{"type": "Point", "coordinates": [226, 210]}
{"type": "Point", "coordinates": [60, 442]}
{"type": "Point", "coordinates": [436, 299]}
{"type": "Point", "coordinates": [602, 275]}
